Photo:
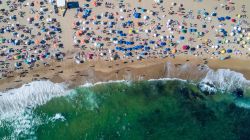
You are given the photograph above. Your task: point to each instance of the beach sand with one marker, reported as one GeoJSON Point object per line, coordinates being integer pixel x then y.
{"type": "Point", "coordinates": [184, 66]}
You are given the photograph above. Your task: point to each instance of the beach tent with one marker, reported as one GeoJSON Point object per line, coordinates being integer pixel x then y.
{"type": "Point", "coordinates": [61, 4]}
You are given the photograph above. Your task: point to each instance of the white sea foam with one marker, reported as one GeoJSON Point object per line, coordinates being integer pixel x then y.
{"type": "Point", "coordinates": [29, 96]}
{"type": "Point", "coordinates": [58, 116]}
{"type": "Point", "coordinates": [88, 84]}
{"type": "Point", "coordinates": [16, 105]}
{"type": "Point", "coordinates": [223, 80]}
{"type": "Point", "coordinates": [243, 103]}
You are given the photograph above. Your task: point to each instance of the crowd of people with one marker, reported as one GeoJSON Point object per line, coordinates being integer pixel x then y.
{"type": "Point", "coordinates": [31, 34]}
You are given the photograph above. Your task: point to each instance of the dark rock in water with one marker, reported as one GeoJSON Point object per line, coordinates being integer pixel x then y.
{"type": "Point", "coordinates": [238, 92]}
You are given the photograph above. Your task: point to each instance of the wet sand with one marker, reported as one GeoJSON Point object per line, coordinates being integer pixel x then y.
{"type": "Point", "coordinates": [74, 75]}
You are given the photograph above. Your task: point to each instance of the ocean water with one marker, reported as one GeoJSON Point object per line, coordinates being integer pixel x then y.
{"type": "Point", "coordinates": [216, 107]}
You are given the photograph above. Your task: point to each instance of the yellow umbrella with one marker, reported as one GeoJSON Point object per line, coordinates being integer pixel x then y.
{"type": "Point", "coordinates": [15, 57]}
{"type": "Point", "coordinates": [223, 51]}
{"type": "Point", "coordinates": [130, 31]}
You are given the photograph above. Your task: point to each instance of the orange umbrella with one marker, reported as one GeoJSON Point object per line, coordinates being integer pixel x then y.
{"type": "Point", "coordinates": [174, 51]}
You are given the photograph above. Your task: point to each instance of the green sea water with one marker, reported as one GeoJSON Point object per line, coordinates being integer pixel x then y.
{"type": "Point", "coordinates": [145, 110]}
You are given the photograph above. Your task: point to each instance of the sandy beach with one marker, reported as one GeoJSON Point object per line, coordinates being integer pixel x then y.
{"type": "Point", "coordinates": [77, 48]}
{"type": "Point", "coordinates": [98, 71]}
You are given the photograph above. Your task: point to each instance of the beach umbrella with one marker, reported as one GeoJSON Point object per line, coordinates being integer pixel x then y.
{"type": "Point", "coordinates": [193, 49]}
{"type": "Point", "coordinates": [158, 1]}
{"type": "Point", "coordinates": [152, 42]}
{"type": "Point", "coordinates": [198, 46]}
{"type": "Point", "coordinates": [131, 31]}
{"type": "Point", "coordinates": [233, 20]}
{"type": "Point", "coordinates": [167, 49]}
{"type": "Point", "coordinates": [182, 37]}
{"type": "Point", "coordinates": [214, 14]}
{"type": "Point", "coordinates": [185, 47]}
{"type": "Point", "coordinates": [223, 51]}
{"type": "Point", "coordinates": [120, 42]}
{"type": "Point", "coordinates": [163, 44]}
{"type": "Point", "coordinates": [229, 50]}
{"type": "Point", "coordinates": [228, 17]}
{"type": "Point", "coordinates": [43, 42]}
{"type": "Point", "coordinates": [146, 48]}
{"type": "Point", "coordinates": [206, 14]}
{"type": "Point", "coordinates": [137, 15]}
{"type": "Point", "coordinates": [184, 31]}
{"type": "Point", "coordinates": [147, 31]}
{"type": "Point", "coordinates": [94, 4]}
{"type": "Point", "coordinates": [173, 51]}
{"type": "Point", "coordinates": [146, 17]}
{"type": "Point", "coordinates": [221, 18]}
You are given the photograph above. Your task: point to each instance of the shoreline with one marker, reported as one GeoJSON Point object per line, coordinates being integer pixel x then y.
{"type": "Point", "coordinates": [188, 68]}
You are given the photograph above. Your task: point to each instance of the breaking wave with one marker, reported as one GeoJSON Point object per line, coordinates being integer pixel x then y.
{"type": "Point", "coordinates": [16, 105]}
{"type": "Point", "coordinates": [224, 80]}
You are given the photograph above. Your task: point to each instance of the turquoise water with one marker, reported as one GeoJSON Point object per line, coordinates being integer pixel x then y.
{"type": "Point", "coordinates": [134, 110]}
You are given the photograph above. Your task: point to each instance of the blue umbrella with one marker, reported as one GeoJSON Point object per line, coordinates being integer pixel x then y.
{"type": "Point", "coordinates": [158, 27]}
{"type": "Point", "coordinates": [163, 44]}
{"type": "Point", "coordinates": [229, 50]}
{"type": "Point", "coordinates": [146, 48]}
{"type": "Point", "coordinates": [182, 37]}
{"type": "Point", "coordinates": [129, 49]}
{"type": "Point", "coordinates": [152, 42]}
{"type": "Point", "coordinates": [206, 13]}
{"type": "Point", "coordinates": [221, 19]}
{"type": "Point", "coordinates": [214, 14]}
{"type": "Point", "coordinates": [167, 49]}
{"type": "Point", "coordinates": [119, 32]}
{"type": "Point", "coordinates": [129, 22]}
{"type": "Point", "coordinates": [137, 15]}
{"type": "Point", "coordinates": [228, 17]}
{"type": "Point", "coordinates": [128, 54]}
{"type": "Point", "coordinates": [120, 42]}
{"type": "Point", "coordinates": [123, 34]}
{"type": "Point", "coordinates": [117, 48]}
